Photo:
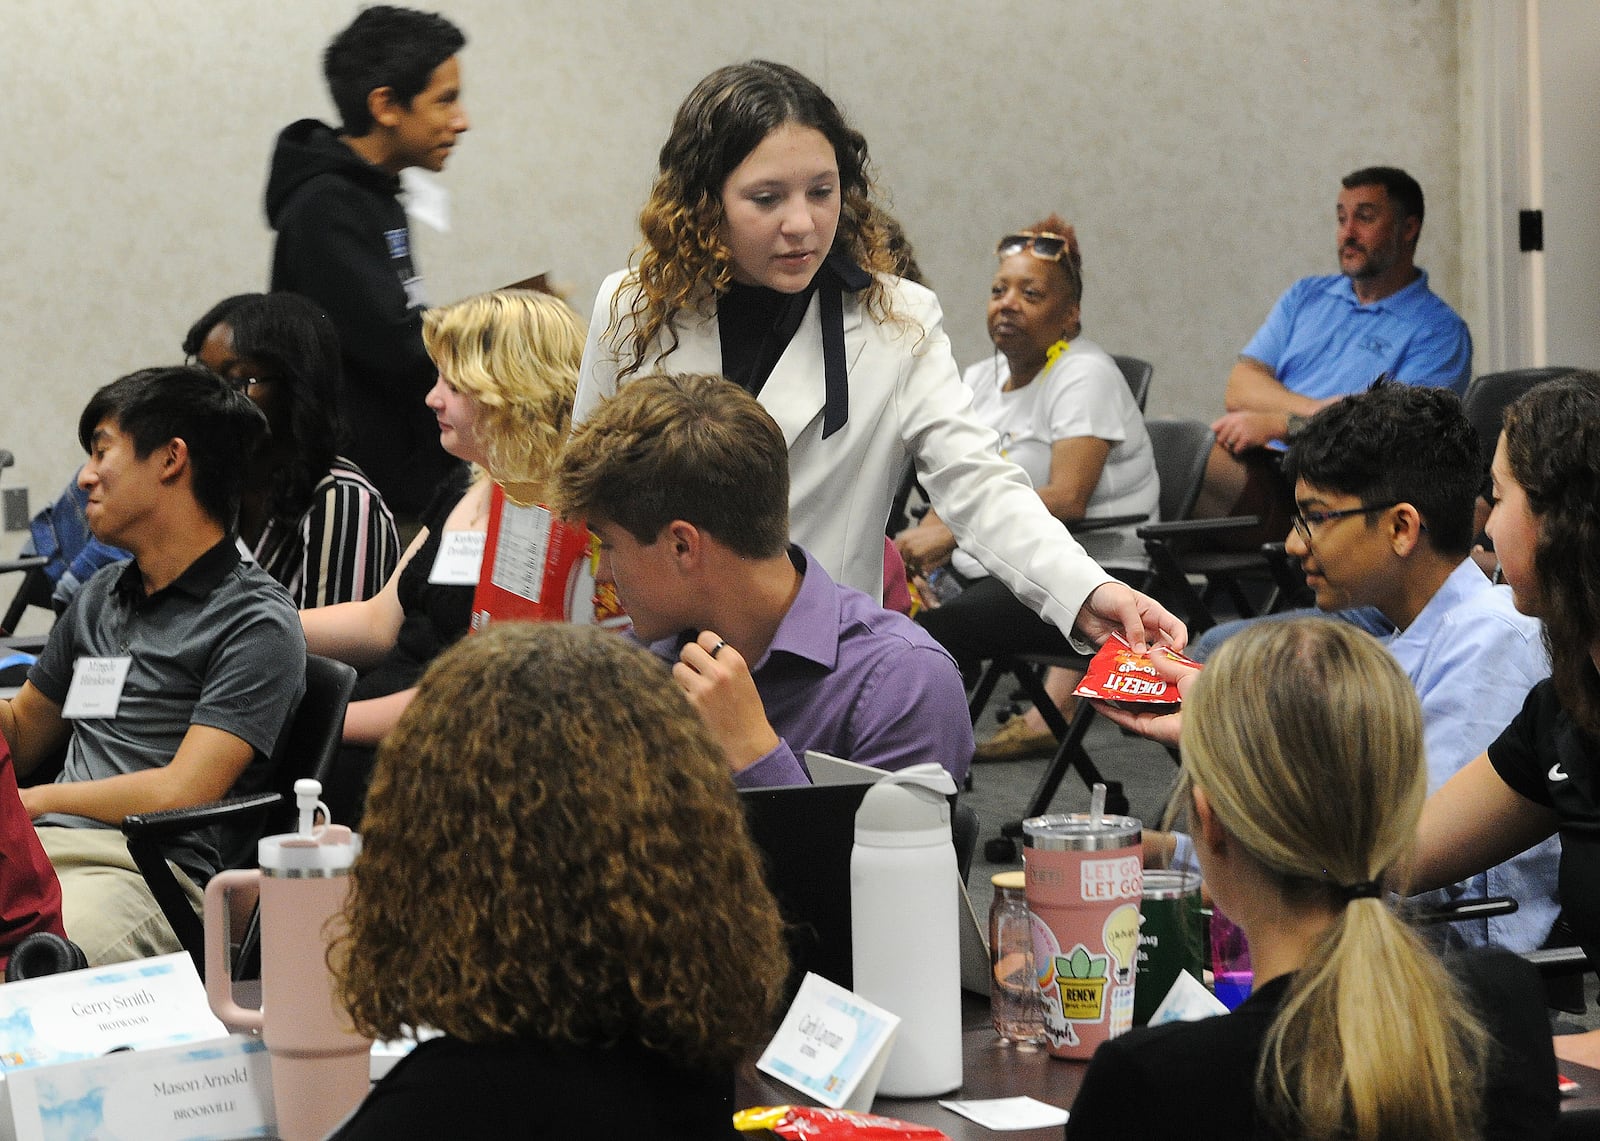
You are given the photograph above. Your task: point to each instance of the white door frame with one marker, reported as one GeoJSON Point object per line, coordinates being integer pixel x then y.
{"type": "Point", "coordinates": [1502, 54]}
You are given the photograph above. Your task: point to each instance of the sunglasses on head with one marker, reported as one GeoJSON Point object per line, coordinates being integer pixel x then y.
{"type": "Point", "coordinates": [1044, 245]}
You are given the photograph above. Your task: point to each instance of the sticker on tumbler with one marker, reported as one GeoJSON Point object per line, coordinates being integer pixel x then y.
{"type": "Point", "coordinates": [1121, 935]}
{"type": "Point", "coordinates": [1118, 878]}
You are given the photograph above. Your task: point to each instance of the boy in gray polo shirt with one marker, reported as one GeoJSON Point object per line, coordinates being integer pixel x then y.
{"type": "Point", "coordinates": [172, 676]}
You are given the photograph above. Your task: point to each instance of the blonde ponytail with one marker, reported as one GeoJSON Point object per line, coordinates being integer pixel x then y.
{"type": "Point", "coordinates": [1374, 1040]}
{"type": "Point", "coordinates": [1307, 740]}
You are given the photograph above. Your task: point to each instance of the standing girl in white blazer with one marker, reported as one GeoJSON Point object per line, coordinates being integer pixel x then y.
{"type": "Point", "coordinates": [762, 261]}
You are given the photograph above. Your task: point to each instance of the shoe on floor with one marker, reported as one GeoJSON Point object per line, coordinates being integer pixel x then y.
{"type": "Point", "coordinates": [1015, 742]}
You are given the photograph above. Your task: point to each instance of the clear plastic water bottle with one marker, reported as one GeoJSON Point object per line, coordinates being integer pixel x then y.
{"type": "Point", "coordinates": [1013, 989]}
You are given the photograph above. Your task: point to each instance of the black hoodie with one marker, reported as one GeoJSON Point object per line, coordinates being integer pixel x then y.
{"type": "Point", "coordinates": [343, 242]}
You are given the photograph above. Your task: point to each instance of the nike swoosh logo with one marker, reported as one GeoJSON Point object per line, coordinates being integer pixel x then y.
{"type": "Point", "coordinates": [1555, 773]}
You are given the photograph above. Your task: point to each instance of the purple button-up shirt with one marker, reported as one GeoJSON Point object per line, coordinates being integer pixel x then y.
{"type": "Point", "coordinates": [846, 677]}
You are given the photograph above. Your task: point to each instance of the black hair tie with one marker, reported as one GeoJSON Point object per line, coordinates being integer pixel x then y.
{"type": "Point", "coordinates": [1366, 889]}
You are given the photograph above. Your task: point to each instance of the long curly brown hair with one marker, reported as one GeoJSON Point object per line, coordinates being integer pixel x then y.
{"type": "Point", "coordinates": [1552, 436]}
{"type": "Point", "coordinates": [683, 262]}
{"type": "Point", "coordinates": [553, 849]}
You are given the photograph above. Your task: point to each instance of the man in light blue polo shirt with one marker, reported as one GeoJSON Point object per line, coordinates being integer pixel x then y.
{"type": "Point", "coordinates": [1328, 337]}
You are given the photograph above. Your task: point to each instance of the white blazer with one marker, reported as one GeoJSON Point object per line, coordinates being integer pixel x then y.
{"type": "Point", "coordinates": [906, 399]}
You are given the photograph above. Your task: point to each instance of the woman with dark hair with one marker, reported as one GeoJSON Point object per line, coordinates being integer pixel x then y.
{"type": "Point", "coordinates": [310, 517]}
{"type": "Point", "coordinates": [1354, 1028]}
{"type": "Point", "coordinates": [764, 260]}
{"type": "Point", "coordinates": [587, 926]}
{"type": "Point", "coordinates": [1542, 775]}
{"type": "Point", "coordinates": [1065, 415]}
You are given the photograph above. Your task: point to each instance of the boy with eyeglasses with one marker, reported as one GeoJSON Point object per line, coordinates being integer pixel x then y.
{"type": "Point", "coordinates": [1385, 486]}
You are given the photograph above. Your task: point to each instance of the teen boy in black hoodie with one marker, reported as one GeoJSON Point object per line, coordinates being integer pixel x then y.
{"type": "Point", "coordinates": [343, 240]}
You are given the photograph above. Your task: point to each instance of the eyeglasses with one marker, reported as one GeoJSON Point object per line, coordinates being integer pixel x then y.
{"type": "Point", "coordinates": [237, 383]}
{"type": "Point", "coordinates": [1304, 521]}
{"type": "Point", "coordinates": [1045, 246]}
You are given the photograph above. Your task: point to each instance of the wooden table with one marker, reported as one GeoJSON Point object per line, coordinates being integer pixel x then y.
{"type": "Point", "coordinates": [990, 1070]}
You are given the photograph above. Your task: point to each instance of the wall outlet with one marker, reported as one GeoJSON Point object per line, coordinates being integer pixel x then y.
{"type": "Point", "coordinates": [15, 501]}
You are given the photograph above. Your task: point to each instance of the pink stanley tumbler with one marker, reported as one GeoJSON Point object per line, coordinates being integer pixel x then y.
{"type": "Point", "coordinates": [1085, 875]}
{"type": "Point", "coordinates": [320, 1066]}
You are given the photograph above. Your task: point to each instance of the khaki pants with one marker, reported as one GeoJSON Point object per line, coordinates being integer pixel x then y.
{"type": "Point", "coordinates": [105, 905]}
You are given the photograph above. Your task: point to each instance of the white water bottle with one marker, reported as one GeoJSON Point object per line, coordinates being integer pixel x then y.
{"type": "Point", "coordinates": [904, 934]}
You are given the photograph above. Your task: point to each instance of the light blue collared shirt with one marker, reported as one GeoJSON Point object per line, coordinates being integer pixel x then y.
{"type": "Point", "coordinates": [1320, 341]}
{"type": "Point", "coordinates": [1473, 659]}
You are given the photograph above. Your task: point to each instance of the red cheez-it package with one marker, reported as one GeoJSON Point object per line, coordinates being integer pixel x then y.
{"type": "Point", "coordinates": [1120, 677]}
{"type": "Point", "coordinates": [813, 1123]}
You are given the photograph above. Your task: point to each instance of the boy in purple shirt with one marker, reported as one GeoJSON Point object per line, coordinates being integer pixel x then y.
{"type": "Point", "coordinates": [685, 481]}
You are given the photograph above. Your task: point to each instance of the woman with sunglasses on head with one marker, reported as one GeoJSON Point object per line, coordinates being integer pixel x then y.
{"type": "Point", "coordinates": [762, 260]}
{"type": "Point", "coordinates": [1065, 415]}
{"type": "Point", "coordinates": [1354, 1029]}
{"type": "Point", "coordinates": [1542, 775]}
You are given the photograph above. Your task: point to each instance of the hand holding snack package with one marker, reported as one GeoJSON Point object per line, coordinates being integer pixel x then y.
{"type": "Point", "coordinates": [1140, 692]}
{"type": "Point", "coordinates": [1128, 680]}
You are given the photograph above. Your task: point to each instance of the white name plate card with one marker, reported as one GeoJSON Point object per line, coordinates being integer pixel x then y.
{"type": "Point", "coordinates": [200, 1092]}
{"type": "Point", "coordinates": [832, 1045]}
{"type": "Point", "coordinates": [84, 1014]}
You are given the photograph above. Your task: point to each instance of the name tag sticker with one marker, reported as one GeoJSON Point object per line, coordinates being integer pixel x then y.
{"type": "Point", "coordinates": [96, 688]}
{"type": "Point", "coordinates": [459, 559]}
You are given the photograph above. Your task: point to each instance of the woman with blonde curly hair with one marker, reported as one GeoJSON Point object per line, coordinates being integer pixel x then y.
{"type": "Point", "coordinates": [1304, 779]}
{"type": "Point", "coordinates": [765, 261]}
{"type": "Point", "coordinates": [508, 369]}
{"type": "Point", "coordinates": [557, 875]}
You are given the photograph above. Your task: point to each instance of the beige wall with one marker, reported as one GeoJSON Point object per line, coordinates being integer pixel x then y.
{"type": "Point", "coordinates": [1196, 146]}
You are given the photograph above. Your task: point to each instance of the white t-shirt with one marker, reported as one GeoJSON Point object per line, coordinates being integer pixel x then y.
{"type": "Point", "coordinates": [1082, 393]}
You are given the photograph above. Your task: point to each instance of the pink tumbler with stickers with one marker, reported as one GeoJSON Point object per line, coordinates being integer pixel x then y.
{"type": "Point", "coordinates": [321, 1067]}
{"type": "Point", "coordinates": [1085, 878]}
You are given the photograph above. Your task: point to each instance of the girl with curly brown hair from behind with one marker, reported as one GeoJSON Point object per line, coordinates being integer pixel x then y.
{"type": "Point", "coordinates": [556, 875]}
{"type": "Point", "coordinates": [765, 261]}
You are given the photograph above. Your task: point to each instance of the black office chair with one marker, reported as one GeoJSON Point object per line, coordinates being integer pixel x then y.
{"type": "Point", "coordinates": [31, 567]}
{"type": "Point", "coordinates": [1182, 549]}
{"type": "Point", "coordinates": [1488, 396]}
{"type": "Point", "coordinates": [1137, 373]}
{"type": "Point", "coordinates": [308, 750]}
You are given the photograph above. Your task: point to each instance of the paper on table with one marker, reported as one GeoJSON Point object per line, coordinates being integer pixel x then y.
{"type": "Point", "coordinates": [1009, 1112]}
